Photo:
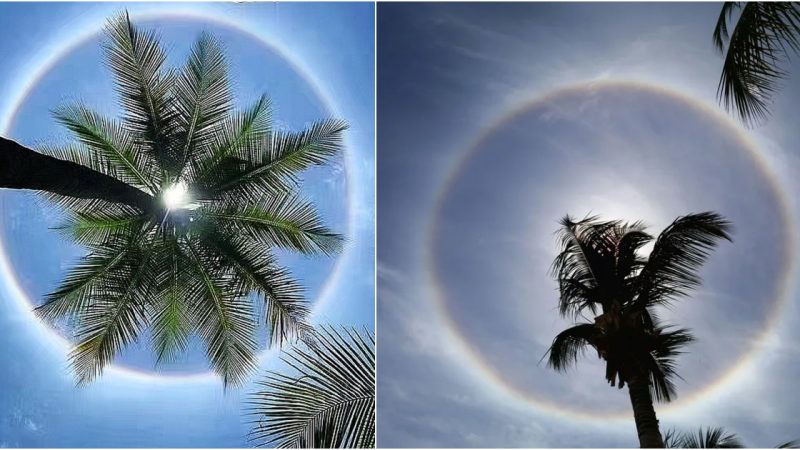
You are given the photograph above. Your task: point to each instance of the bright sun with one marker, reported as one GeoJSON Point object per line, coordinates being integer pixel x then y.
{"type": "Point", "coordinates": [176, 196]}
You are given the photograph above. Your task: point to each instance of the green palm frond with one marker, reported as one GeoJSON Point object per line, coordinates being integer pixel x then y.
{"type": "Point", "coordinates": [328, 403]}
{"type": "Point", "coordinates": [226, 319]}
{"type": "Point", "coordinates": [117, 316]}
{"type": "Point", "coordinates": [137, 61]}
{"type": "Point", "coordinates": [678, 254]}
{"type": "Point", "coordinates": [281, 220]}
{"type": "Point", "coordinates": [97, 226]}
{"type": "Point", "coordinates": [249, 129]}
{"type": "Point", "coordinates": [111, 144]}
{"type": "Point", "coordinates": [202, 96]}
{"type": "Point", "coordinates": [274, 168]}
{"type": "Point", "coordinates": [765, 35]}
{"type": "Point", "coordinates": [256, 270]}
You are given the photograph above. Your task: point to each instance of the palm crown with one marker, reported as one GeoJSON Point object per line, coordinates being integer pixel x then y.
{"type": "Point", "coordinates": [217, 196]}
{"type": "Point", "coordinates": [600, 269]}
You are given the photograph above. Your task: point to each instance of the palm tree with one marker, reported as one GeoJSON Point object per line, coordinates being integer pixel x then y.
{"type": "Point", "coordinates": [710, 438]}
{"type": "Point", "coordinates": [763, 37]}
{"type": "Point", "coordinates": [600, 269]}
{"type": "Point", "coordinates": [181, 205]}
{"type": "Point", "coordinates": [328, 403]}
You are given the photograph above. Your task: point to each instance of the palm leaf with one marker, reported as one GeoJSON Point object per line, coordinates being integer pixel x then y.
{"type": "Point", "coordinates": [570, 344]}
{"type": "Point", "coordinates": [114, 145]}
{"type": "Point", "coordinates": [678, 254]}
{"type": "Point", "coordinates": [329, 403]}
{"type": "Point", "coordinates": [276, 168]}
{"type": "Point", "coordinates": [764, 37]}
{"type": "Point", "coordinates": [225, 319]}
{"type": "Point", "coordinates": [282, 220]}
{"type": "Point", "coordinates": [202, 96]}
{"type": "Point", "coordinates": [137, 60]}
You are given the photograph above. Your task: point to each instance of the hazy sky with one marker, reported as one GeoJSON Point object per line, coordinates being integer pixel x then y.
{"type": "Point", "coordinates": [319, 63]}
{"type": "Point", "coordinates": [497, 120]}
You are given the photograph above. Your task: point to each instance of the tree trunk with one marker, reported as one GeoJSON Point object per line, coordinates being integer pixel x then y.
{"type": "Point", "coordinates": [23, 168]}
{"type": "Point", "coordinates": [643, 412]}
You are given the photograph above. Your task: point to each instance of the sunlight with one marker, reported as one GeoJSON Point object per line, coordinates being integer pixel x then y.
{"type": "Point", "coordinates": [176, 196]}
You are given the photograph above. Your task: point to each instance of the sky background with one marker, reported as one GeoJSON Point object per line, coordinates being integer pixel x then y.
{"type": "Point", "coordinates": [319, 63]}
{"type": "Point", "coordinates": [469, 198]}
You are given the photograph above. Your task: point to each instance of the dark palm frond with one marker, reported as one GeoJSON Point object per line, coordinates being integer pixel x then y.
{"type": "Point", "coordinates": [720, 35]}
{"type": "Point", "coordinates": [765, 34]}
{"type": "Point", "coordinates": [282, 220]}
{"type": "Point", "coordinates": [791, 444]}
{"type": "Point", "coordinates": [137, 61]}
{"type": "Point", "coordinates": [596, 260]}
{"type": "Point", "coordinates": [202, 96]}
{"type": "Point", "coordinates": [329, 403]}
{"type": "Point", "coordinates": [679, 252]}
{"type": "Point", "coordinates": [667, 347]}
{"type": "Point", "coordinates": [711, 437]}
{"type": "Point", "coordinates": [570, 344]}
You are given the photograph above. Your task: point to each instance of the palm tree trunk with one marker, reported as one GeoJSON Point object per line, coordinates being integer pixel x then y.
{"type": "Point", "coordinates": [23, 168]}
{"type": "Point", "coordinates": [643, 412]}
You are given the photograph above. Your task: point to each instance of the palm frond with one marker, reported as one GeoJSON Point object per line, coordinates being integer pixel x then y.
{"type": "Point", "coordinates": [761, 42]}
{"type": "Point", "coordinates": [137, 61]}
{"type": "Point", "coordinates": [662, 365]}
{"type": "Point", "coordinates": [202, 96]}
{"type": "Point", "coordinates": [570, 344]}
{"type": "Point", "coordinates": [715, 437]}
{"type": "Point", "coordinates": [113, 144]}
{"type": "Point", "coordinates": [116, 315]}
{"type": "Point", "coordinates": [282, 220]}
{"type": "Point", "coordinates": [237, 133]}
{"type": "Point", "coordinates": [275, 168]}
{"type": "Point", "coordinates": [329, 403]}
{"type": "Point", "coordinates": [257, 270]}
{"type": "Point", "coordinates": [225, 319]}
{"type": "Point", "coordinates": [96, 227]}
{"type": "Point", "coordinates": [678, 254]}
{"type": "Point", "coordinates": [790, 444]}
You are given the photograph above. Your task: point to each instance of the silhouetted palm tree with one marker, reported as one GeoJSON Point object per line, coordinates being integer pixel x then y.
{"type": "Point", "coordinates": [600, 268]}
{"type": "Point", "coordinates": [710, 438]}
{"type": "Point", "coordinates": [328, 403]}
{"type": "Point", "coordinates": [180, 205]}
{"type": "Point", "coordinates": [763, 37]}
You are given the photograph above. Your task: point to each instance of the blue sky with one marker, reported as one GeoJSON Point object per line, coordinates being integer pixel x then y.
{"type": "Point", "coordinates": [469, 196]}
{"type": "Point", "coordinates": [315, 61]}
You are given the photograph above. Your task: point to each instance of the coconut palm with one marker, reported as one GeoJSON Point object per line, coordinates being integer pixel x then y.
{"type": "Point", "coordinates": [600, 269]}
{"type": "Point", "coordinates": [710, 438]}
{"type": "Point", "coordinates": [328, 403]}
{"type": "Point", "coordinates": [763, 38]}
{"type": "Point", "coordinates": [181, 205]}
